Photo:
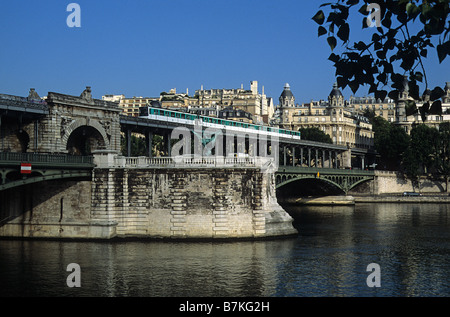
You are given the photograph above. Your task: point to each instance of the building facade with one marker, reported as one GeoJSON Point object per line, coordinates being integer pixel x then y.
{"type": "Point", "coordinates": [251, 101]}
{"type": "Point", "coordinates": [206, 102]}
{"type": "Point", "coordinates": [334, 117]}
{"type": "Point", "coordinates": [408, 121]}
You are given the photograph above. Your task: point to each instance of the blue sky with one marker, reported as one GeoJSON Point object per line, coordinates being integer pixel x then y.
{"type": "Point", "coordinates": [144, 47]}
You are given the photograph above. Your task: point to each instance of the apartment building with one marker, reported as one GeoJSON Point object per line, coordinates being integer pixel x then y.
{"type": "Point", "coordinates": [334, 117]}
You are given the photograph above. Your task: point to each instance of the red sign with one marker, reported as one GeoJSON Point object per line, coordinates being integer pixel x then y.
{"type": "Point", "coordinates": [25, 168]}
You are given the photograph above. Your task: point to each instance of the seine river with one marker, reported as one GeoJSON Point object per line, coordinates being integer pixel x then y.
{"type": "Point", "coordinates": [410, 243]}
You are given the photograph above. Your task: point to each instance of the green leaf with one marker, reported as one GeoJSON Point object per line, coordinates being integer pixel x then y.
{"type": "Point", "coordinates": [319, 17]}
{"type": "Point", "coordinates": [334, 58]}
{"type": "Point", "coordinates": [363, 10]}
{"type": "Point", "coordinates": [360, 46]}
{"type": "Point", "coordinates": [332, 42]}
{"type": "Point", "coordinates": [352, 2]}
{"type": "Point", "coordinates": [381, 54]}
{"type": "Point", "coordinates": [381, 94]}
{"type": "Point", "coordinates": [412, 10]}
{"type": "Point", "coordinates": [410, 108]}
{"type": "Point", "coordinates": [354, 86]}
{"type": "Point", "coordinates": [436, 107]}
{"type": "Point", "coordinates": [344, 32]}
{"type": "Point", "coordinates": [342, 82]}
{"type": "Point", "coordinates": [322, 31]}
{"type": "Point", "coordinates": [437, 93]}
{"type": "Point", "coordinates": [426, 9]}
{"type": "Point", "coordinates": [424, 111]}
{"type": "Point", "coordinates": [424, 53]}
{"type": "Point", "coordinates": [393, 94]}
{"type": "Point", "coordinates": [387, 22]}
{"type": "Point", "coordinates": [443, 50]}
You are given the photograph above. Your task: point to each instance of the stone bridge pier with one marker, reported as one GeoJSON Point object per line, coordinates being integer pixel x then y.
{"type": "Point", "coordinates": [204, 198]}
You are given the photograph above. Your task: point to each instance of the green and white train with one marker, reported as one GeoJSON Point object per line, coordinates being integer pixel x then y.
{"type": "Point", "coordinates": [185, 118]}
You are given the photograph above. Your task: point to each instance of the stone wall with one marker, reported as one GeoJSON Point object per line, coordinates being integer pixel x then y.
{"type": "Point", "coordinates": [51, 209]}
{"type": "Point", "coordinates": [391, 183]}
{"type": "Point", "coordinates": [148, 202]}
{"type": "Point", "coordinates": [193, 203]}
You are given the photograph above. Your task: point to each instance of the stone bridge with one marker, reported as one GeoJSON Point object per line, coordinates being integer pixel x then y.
{"type": "Point", "coordinates": [59, 124]}
{"type": "Point", "coordinates": [75, 184]}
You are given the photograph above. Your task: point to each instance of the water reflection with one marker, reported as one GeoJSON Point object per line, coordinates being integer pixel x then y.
{"type": "Point", "coordinates": [411, 243]}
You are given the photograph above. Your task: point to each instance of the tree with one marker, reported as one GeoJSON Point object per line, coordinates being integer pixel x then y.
{"type": "Point", "coordinates": [390, 142]}
{"type": "Point", "coordinates": [139, 146]}
{"type": "Point", "coordinates": [443, 153]}
{"type": "Point", "coordinates": [424, 144]}
{"type": "Point", "coordinates": [369, 114]}
{"type": "Point", "coordinates": [315, 134]}
{"type": "Point", "coordinates": [420, 156]}
{"type": "Point", "coordinates": [397, 42]}
{"type": "Point", "coordinates": [411, 166]}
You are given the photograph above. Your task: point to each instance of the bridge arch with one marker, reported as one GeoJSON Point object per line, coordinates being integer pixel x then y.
{"type": "Point", "coordinates": [343, 183]}
{"type": "Point", "coordinates": [84, 136]}
{"type": "Point", "coordinates": [291, 178]}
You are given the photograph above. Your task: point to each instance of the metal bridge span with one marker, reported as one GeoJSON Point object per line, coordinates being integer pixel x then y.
{"type": "Point", "coordinates": [18, 169]}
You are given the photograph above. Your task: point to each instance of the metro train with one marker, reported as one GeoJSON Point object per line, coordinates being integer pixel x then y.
{"type": "Point", "coordinates": [213, 122]}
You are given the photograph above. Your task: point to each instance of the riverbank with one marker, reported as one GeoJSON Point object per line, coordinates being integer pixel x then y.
{"type": "Point", "coordinates": [325, 200]}
{"type": "Point", "coordinates": [443, 198]}
{"type": "Point", "coordinates": [399, 198]}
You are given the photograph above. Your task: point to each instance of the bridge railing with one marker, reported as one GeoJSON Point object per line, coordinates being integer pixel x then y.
{"type": "Point", "coordinates": [11, 157]}
{"type": "Point", "coordinates": [189, 162]}
{"type": "Point", "coordinates": [22, 102]}
{"type": "Point", "coordinates": [320, 170]}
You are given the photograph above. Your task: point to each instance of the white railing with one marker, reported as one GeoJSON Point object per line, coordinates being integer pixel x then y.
{"type": "Point", "coordinates": [112, 160]}
{"type": "Point", "coordinates": [191, 162]}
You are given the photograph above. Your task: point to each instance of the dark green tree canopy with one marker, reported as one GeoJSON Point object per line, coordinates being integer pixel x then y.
{"type": "Point", "coordinates": [315, 134]}
{"type": "Point", "coordinates": [402, 34]}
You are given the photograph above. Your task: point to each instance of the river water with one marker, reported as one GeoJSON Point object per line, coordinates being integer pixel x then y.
{"type": "Point", "coordinates": [410, 243]}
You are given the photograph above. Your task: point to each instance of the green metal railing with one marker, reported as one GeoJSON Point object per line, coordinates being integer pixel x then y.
{"type": "Point", "coordinates": [44, 159]}
{"type": "Point", "coordinates": [331, 171]}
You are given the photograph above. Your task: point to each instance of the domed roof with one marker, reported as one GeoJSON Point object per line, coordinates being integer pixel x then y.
{"type": "Point", "coordinates": [336, 92]}
{"type": "Point", "coordinates": [287, 91]}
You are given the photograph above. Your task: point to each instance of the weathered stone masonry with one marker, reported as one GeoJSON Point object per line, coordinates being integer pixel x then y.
{"type": "Point", "coordinates": [194, 203]}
